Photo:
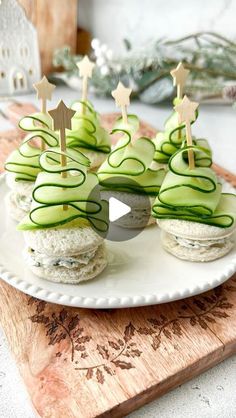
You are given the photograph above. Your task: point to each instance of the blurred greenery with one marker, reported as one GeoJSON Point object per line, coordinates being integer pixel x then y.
{"type": "Point", "coordinates": [210, 57]}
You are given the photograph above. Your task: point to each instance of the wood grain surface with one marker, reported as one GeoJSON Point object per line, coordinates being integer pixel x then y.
{"type": "Point", "coordinates": [82, 363]}
{"type": "Point", "coordinates": [87, 363]}
{"type": "Point", "coordinates": [56, 23]}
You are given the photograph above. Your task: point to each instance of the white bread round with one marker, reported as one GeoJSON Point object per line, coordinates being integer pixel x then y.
{"type": "Point", "coordinates": [24, 188]}
{"type": "Point", "coordinates": [73, 238]}
{"type": "Point", "coordinates": [140, 215]}
{"type": "Point", "coordinates": [74, 275]}
{"type": "Point", "coordinates": [13, 209]}
{"type": "Point", "coordinates": [201, 254]}
{"type": "Point", "coordinates": [193, 230]}
{"type": "Point", "coordinates": [96, 158]}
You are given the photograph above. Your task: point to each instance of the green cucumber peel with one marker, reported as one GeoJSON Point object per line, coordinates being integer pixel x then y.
{"type": "Point", "coordinates": [87, 131]}
{"type": "Point", "coordinates": [195, 194]}
{"type": "Point", "coordinates": [24, 161]}
{"type": "Point", "coordinates": [78, 191]}
{"type": "Point", "coordinates": [131, 161]}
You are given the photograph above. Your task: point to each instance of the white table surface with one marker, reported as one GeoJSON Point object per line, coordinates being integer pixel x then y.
{"type": "Point", "coordinates": [211, 395]}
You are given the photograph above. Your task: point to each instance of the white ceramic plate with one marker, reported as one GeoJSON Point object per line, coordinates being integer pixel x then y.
{"type": "Point", "coordinates": [139, 273]}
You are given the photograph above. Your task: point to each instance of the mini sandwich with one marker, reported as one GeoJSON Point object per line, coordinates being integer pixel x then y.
{"type": "Point", "coordinates": [196, 219]}
{"type": "Point", "coordinates": [193, 241]}
{"type": "Point", "coordinates": [65, 254]}
{"type": "Point", "coordinates": [67, 219]}
{"type": "Point", "coordinates": [129, 174]}
{"type": "Point", "coordinates": [22, 165]}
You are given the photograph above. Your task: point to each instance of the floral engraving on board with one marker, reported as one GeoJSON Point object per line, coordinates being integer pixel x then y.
{"type": "Point", "coordinates": [119, 353]}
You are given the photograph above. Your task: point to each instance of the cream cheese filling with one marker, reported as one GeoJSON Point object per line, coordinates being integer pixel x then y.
{"type": "Point", "coordinates": [196, 245]}
{"type": "Point", "coordinates": [23, 201]}
{"type": "Point", "coordinates": [36, 259]}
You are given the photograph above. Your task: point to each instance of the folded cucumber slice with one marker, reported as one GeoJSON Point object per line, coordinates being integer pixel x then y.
{"type": "Point", "coordinates": [195, 194]}
{"type": "Point", "coordinates": [131, 162]}
{"type": "Point", "coordinates": [24, 161]}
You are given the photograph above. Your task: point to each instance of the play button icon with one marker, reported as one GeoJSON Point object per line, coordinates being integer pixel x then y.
{"type": "Point", "coordinates": [117, 209]}
{"type": "Point", "coordinates": [129, 208]}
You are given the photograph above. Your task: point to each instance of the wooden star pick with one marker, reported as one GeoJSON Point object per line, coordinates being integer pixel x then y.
{"type": "Point", "coordinates": [186, 112]}
{"type": "Point", "coordinates": [44, 92]}
{"type": "Point", "coordinates": [85, 67]}
{"type": "Point", "coordinates": [179, 75]}
{"type": "Point", "coordinates": [62, 116]}
{"type": "Point", "coordinates": [122, 97]}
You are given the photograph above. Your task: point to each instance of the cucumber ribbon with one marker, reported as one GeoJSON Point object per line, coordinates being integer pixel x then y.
{"type": "Point", "coordinates": [132, 162]}
{"type": "Point", "coordinates": [79, 190]}
{"type": "Point", "coordinates": [173, 137]}
{"type": "Point", "coordinates": [24, 161]}
{"type": "Point", "coordinates": [87, 132]}
{"type": "Point", "coordinates": [194, 195]}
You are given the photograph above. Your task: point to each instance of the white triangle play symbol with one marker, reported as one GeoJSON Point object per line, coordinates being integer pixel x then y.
{"type": "Point", "coordinates": [117, 209]}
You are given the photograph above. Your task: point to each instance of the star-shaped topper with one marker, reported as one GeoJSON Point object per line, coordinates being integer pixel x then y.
{"type": "Point", "coordinates": [179, 75]}
{"type": "Point", "coordinates": [44, 89]}
{"type": "Point", "coordinates": [186, 110]}
{"type": "Point", "coordinates": [121, 95]}
{"type": "Point", "coordinates": [61, 116]}
{"type": "Point", "coordinates": [85, 67]}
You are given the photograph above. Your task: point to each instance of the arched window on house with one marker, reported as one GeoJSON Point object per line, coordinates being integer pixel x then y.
{"type": "Point", "coordinates": [24, 51]}
{"type": "Point", "coordinates": [4, 52]}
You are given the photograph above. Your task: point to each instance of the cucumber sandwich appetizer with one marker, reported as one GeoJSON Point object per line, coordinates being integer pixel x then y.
{"type": "Point", "coordinates": [130, 175]}
{"type": "Point", "coordinates": [87, 134]}
{"type": "Point", "coordinates": [197, 220]}
{"type": "Point", "coordinates": [174, 135]}
{"type": "Point", "coordinates": [23, 166]}
{"type": "Point", "coordinates": [63, 230]}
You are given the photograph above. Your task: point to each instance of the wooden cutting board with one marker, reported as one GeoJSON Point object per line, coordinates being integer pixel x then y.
{"type": "Point", "coordinates": [79, 363]}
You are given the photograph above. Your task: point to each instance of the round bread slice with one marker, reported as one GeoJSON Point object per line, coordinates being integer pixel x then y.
{"type": "Point", "coordinates": [74, 275]}
{"type": "Point", "coordinates": [194, 230]}
{"type": "Point", "coordinates": [96, 158]}
{"type": "Point", "coordinates": [201, 254]}
{"type": "Point", "coordinates": [140, 215]}
{"type": "Point", "coordinates": [13, 209]}
{"type": "Point", "coordinates": [73, 238]}
{"type": "Point", "coordinates": [24, 188]}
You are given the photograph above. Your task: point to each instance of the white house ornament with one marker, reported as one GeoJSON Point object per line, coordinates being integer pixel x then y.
{"type": "Point", "coordinates": [19, 52]}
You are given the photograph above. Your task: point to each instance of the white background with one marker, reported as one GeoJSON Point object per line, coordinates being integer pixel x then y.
{"type": "Point", "coordinates": [143, 20]}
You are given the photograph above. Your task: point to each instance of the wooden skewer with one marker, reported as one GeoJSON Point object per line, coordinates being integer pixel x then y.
{"type": "Point", "coordinates": [186, 112]}
{"type": "Point", "coordinates": [62, 116]}
{"type": "Point", "coordinates": [85, 67]}
{"type": "Point", "coordinates": [191, 160]}
{"type": "Point", "coordinates": [124, 114]}
{"type": "Point", "coordinates": [179, 75]}
{"type": "Point", "coordinates": [44, 92]}
{"type": "Point", "coordinates": [122, 98]}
